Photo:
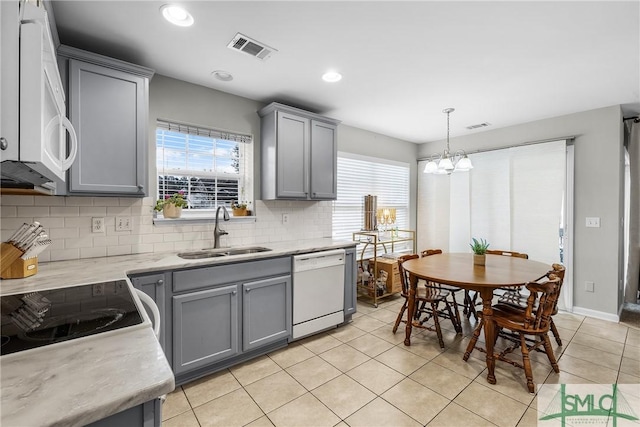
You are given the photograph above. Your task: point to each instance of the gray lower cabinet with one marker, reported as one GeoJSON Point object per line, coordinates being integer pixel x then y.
{"type": "Point", "coordinates": [148, 414]}
{"type": "Point", "coordinates": [266, 311]}
{"type": "Point", "coordinates": [154, 286]}
{"type": "Point", "coordinates": [350, 290]}
{"type": "Point", "coordinates": [108, 107]}
{"type": "Point", "coordinates": [205, 327]}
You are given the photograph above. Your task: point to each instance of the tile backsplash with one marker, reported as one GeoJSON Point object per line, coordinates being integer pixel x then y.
{"type": "Point", "coordinates": [67, 221]}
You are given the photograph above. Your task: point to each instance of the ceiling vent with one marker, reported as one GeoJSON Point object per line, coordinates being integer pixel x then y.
{"type": "Point", "coordinates": [251, 47]}
{"type": "Point", "coordinates": [479, 125]}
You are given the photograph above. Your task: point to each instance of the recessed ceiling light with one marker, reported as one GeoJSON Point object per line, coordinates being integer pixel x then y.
{"type": "Point", "coordinates": [222, 75]}
{"type": "Point", "coordinates": [177, 15]}
{"type": "Point", "coordinates": [331, 77]}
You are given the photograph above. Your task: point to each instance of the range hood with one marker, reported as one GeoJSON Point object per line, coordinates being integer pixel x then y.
{"type": "Point", "coordinates": [20, 178]}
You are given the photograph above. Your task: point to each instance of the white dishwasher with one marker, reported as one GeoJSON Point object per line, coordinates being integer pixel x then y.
{"type": "Point", "coordinates": [318, 291]}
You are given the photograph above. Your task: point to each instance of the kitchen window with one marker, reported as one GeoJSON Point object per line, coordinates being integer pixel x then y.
{"type": "Point", "coordinates": [211, 167]}
{"type": "Point", "coordinates": [359, 176]}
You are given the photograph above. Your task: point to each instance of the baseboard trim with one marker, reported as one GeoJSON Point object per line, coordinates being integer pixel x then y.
{"type": "Point", "coordinates": [596, 314]}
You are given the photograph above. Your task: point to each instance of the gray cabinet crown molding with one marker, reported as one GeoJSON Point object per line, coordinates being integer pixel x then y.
{"type": "Point", "coordinates": [97, 59]}
{"type": "Point", "coordinates": [276, 106]}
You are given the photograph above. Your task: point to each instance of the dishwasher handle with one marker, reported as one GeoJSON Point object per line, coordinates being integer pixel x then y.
{"type": "Point", "coordinates": [317, 260]}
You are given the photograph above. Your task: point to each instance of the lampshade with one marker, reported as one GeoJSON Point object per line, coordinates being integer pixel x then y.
{"type": "Point", "coordinates": [464, 164]}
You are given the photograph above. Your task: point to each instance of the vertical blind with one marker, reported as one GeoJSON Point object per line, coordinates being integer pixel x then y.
{"type": "Point", "coordinates": [212, 167]}
{"type": "Point", "coordinates": [359, 176]}
{"type": "Point", "coordinates": [513, 198]}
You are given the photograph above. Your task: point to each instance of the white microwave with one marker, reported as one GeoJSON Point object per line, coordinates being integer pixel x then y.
{"type": "Point", "coordinates": [42, 155]}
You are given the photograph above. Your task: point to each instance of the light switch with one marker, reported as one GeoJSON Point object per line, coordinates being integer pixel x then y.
{"type": "Point", "coordinates": [593, 222]}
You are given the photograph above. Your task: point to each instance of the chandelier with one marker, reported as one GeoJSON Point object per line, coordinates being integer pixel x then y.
{"type": "Point", "coordinates": [445, 163]}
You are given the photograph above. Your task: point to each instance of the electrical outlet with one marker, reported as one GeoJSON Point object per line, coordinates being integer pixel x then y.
{"type": "Point", "coordinates": [119, 287]}
{"type": "Point", "coordinates": [98, 289]}
{"type": "Point", "coordinates": [97, 225]}
{"type": "Point", "coordinates": [285, 218]}
{"type": "Point", "coordinates": [588, 286]}
{"type": "Point", "coordinates": [593, 222]}
{"type": "Point", "coordinates": [123, 223]}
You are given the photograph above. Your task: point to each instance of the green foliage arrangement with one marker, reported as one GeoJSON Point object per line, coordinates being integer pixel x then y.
{"type": "Point", "coordinates": [479, 247]}
{"type": "Point", "coordinates": [176, 199]}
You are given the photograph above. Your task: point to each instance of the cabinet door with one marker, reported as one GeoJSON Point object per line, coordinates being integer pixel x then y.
{"type": "Point", "coordinates": [205, 327]}
{"type": "Point", "coordinates": [9, 83]}
{"type": "Point", "coordinates": [154, 286]}
{"type": "Point", "coordinates": [350, 276]}
{"type": "Point", "coordinates": [108, 109]}
{"type": "Point", "coordinates": [266, 311]}
{"type": "Point", "coordinates": [292, 156]}
{"type": "Point", "coordinates": [324, 157]}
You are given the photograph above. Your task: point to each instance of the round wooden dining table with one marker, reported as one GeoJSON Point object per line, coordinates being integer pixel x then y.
{"type": "Point", "coordinates": [457, 269]}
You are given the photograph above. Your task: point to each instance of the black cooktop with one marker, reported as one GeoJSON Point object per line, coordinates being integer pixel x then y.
{"type": "Point", "coordinates": [37, 319]}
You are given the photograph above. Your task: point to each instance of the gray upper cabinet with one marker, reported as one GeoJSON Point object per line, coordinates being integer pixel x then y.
{"type": "Point", "coordinates": [299, 154]}
{"type": "Point", "coordinates": [108, 106]}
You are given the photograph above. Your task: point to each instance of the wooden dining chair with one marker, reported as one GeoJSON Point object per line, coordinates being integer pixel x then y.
{"type": "Point", "coordinates": [471, 301]}
{"type": "Point", "coordinates": [457, 323]}
{"type": "Point", "coordinates": [507, 253]}
{"type": "Point", "coordinates": [516, 299]}
{"type": "Point", "coordinates": [427, 302]}
{"type": "Point", "coordinates": [527, 329]}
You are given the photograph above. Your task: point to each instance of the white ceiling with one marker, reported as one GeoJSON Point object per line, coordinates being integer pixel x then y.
{"type": "Point", "coordinates": [403, 62]}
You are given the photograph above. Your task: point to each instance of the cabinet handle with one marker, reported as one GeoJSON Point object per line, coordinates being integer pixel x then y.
{"type": "Point", "coordinates": [4, 144]}
{"type": "Point", "coordinates": [140, 187]}
{"type": "Point", "coordinates": [247, 290]}
{"type": "Point", "coordinates": [160, 282]}
{"type": "Point", "coordinates": [233, 292]}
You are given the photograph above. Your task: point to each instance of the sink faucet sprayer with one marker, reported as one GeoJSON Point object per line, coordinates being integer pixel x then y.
{"type": "Point", "coordinates": [217, 231]}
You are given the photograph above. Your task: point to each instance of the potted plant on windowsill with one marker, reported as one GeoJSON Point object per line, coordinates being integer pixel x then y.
{"type": "Point", "coordinates": [171, 206]}
{"type": "Point", "coordinates": [239, 208]}
{"type": "Point", "coordinates": [479, 248]}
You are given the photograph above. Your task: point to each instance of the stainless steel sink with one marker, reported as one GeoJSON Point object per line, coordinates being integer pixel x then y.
{"type": "Point", "coordinates": [222, 252]}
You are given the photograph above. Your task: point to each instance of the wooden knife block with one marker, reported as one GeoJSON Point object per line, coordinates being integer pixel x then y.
{"type": "Point", "coordinates": [14, 267]}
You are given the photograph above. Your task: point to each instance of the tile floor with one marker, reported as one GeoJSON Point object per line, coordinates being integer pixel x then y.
{"type": "Point", "coordinates": [361, 375]}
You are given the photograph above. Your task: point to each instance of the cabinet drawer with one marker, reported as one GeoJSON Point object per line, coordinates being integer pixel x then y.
{"type": "Point", "coordinates": [186, 280]}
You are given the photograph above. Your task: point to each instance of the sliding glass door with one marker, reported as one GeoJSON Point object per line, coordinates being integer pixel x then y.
{"type": "Point", "coordinates": [516, 198]}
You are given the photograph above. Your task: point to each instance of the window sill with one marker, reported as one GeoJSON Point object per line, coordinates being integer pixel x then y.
{"type": "Point", "coordinates": [195, 220]}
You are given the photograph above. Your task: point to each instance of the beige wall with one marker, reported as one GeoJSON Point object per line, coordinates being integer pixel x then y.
{"type": "Point", "coordinates": [598, 190]}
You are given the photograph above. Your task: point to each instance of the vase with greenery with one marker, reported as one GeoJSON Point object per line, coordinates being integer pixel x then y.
{"type": "Point", "coordinates": [479, 248]}
{"type": "Point", "coordinates": [171, 206]}
{"type": "Point", "coordinates": [239, 208]}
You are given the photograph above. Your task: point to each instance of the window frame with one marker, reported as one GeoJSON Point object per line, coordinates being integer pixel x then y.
{"type": "Point", "coordinates": [245, 176]}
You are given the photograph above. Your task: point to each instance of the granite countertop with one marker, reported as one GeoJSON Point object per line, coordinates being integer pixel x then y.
{"type": "Point", "coordinates": [84, 380]}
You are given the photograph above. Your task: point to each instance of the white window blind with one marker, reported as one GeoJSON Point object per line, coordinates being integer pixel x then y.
{"type": "Point", "coordinates": [359, 176]}
{"type": "Point", "coordinates": [512, 197]}
{"type": "Point", "coordinates": [212, 167]}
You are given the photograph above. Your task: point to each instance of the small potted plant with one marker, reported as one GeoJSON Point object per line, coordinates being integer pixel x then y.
{"type": "Point", "coordinates": [239, 208]}
{"type": "Point", "coordinates": [171, 206]}
{"type": "Point", "coordinates": [479, 248]}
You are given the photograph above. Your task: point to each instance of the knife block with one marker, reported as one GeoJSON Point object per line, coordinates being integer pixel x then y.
{"type": "Point", "coordinates": [20, 268]}
{"type": "Point", "coordinates": [14, 267]}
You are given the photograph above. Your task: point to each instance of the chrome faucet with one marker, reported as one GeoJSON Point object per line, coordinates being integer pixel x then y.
{"type": "Point", "coordinates": [217, 231]}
